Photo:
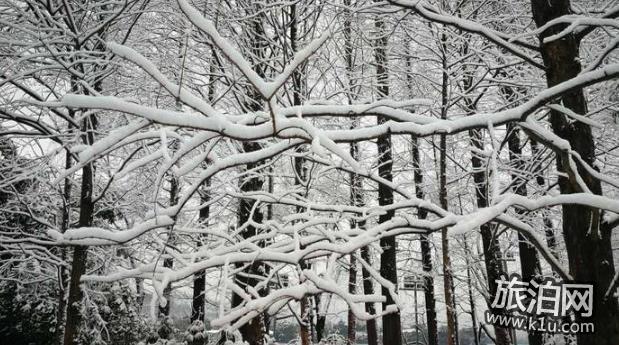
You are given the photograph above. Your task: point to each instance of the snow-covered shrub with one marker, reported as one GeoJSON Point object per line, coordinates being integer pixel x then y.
{"type": "Point", "coordinates": [27, 314]}
{"type": "Point", "coordinates": [112, 317]}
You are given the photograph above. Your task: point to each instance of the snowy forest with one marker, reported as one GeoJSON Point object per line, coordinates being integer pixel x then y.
{"type": "Point", "coordinates": [436, 172]}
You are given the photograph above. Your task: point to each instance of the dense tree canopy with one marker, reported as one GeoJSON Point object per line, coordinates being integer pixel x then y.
{"type": "Point", "coordinates": [293, 160]}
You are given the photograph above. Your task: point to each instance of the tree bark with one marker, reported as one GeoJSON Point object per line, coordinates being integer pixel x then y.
{"type": "Point", "coordinates": [492, 252]}
{"type": "Point", "coordinates": [352, 286]}
{"type": "Point", "coordinates": [426, 251]}
{"type": "Point", "coordinates": [168, 262]}
{"type": "Point", "coordinates": [450, 303]}
{"type": "Point", "coordinates": [469, 283]}
{"type": "Point", "coordinates": [253, 331]}
{"type": "Point", "coordinates": [63, 277]}
{"type": "Point", "coordinates": [321, 319]}
{"type": "Point", "coordinates": [199, 281]}
{"type": "Point", "coordinates": [300, 173]}
{"type": "Point", "coordinates": [392, 328]}
{"type": "Point", "coordinates": [199, 284]}
{"type": "Point", "coordinates": [588, 245]}
{"type": "Point", "coordinates": [80, 253]}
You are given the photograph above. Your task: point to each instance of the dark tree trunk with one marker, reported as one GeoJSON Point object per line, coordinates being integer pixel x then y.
{"type": "Point", "coordinates": [450, 302]}
{"type": "Point", "coordinates": [199, 283]}
{"type": "Point", "coordinates": [63, 276]}
{"type": "Point", "coordinates": [168, 262]}
{"type": "Point", "coordinates": [199, 280]}
{"type": "Point", "coordinates": [352, 286]}
{"type": "Point", "coordinates": [492, 251]}
{"type": "Point", "coordinates": [300, 174]}
{"type": "Point", "coordinates": [321, 319]}
{"type": "Point", "coordinates": [588, 245]}
{"type": "Point", "coordinates": [253, 331]}
{"type": "Point", "coordinates": [356, 199]}
{"type": "Point", "coordinates": [469, 283]}
{"type": "Point", "coordinates": [426, 251]}
{"type": "Point", "coordinates": [392, 328]}
{"type": "Point", "coordinates": [368, 289]}
{"type": "Point", "coordinates": [80, 253]}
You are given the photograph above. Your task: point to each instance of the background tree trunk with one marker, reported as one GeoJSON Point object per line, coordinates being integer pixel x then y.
{"type": "Point", "coordinates": [450, 302]}
{"type": "Point", "coordinates": [426, 251]}
{"type": "Point", "coordinates": [63, 277]}
{"type": "Point", "coordinates": [529, 262]}
{"type": "Point", "coordinates": [199, 280]}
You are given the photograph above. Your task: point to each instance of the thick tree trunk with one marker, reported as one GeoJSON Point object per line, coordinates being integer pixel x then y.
{"type": "Point", "coordinates": [80, 253]}
{"type": "Point", "coordinates": [392, 328]}
{"type": "Point", "coordinates": [426, 251]}
{"type": "Point", "coordinates": [588, 245]}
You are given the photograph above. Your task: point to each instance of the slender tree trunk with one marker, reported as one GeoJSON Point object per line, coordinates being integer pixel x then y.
{"type": "Point", "coordinates": [168, 262]}
{"type": "Point", "coordinates": [63, 276]}
{"type": "Point", "coordinates": [253, 331]}
{"type": "Point", "coordinates": [549, 232]}
{"type": "Point", "coordinates": [352, 286]}
{"type": "Point", "coordinates": [300, 173]}
{"type": "Point", "coordinates": [469, 283]}
{"type": "Point", "coordinates": [356, 199]}
{"type": "Point", "coordinates": [321, 319]}
{"type": "Point", "coordinates": [426, 251]}
{"type": "Point", "coordinates": [588, 245]}
{"type": "Point", "coordinates": [199, 280]}
{"type": "Point", "coordinates": [199, 283]}
{"type": "Point", "coordinates": [492, 253]}
{"type": "Point", "coordinates": [368, 289]}
{"type": "Point", "coordinates": [492, 250]}
{"type": "Point", "coordinates": [529, 262]}
{"type": "Point", "coordinates": [356, 184]}
{"type": "Point", "coordinates": [450, 303]}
